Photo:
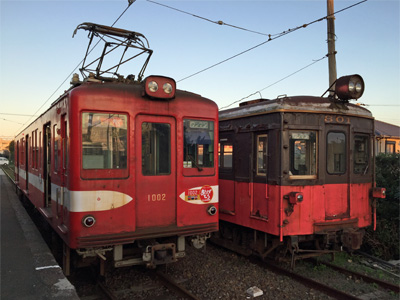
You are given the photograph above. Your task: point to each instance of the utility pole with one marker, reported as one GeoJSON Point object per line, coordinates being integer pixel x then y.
{"type": "Point", "coordinates": [331, 44]}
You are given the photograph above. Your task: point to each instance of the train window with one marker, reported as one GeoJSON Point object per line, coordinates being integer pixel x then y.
{"type": "Point", "coordinates": [156, 149]}
{"type": "Point", "coordinates": [198, 146]}
{"type": "Point", "coordinates": [225, 154]}
{"type": "Point", "coordinates": [262, 144]}
{"type": "Point", "coordinates": [104, 141]}
{"type": "Point", "coordinates": [336, 153]}
{"type": "Point", "coordinates": [303, 153]}
{"type": "Point", "coordinates": [361, 154]}
{"type": "Point", "coordinates": [56, 149]}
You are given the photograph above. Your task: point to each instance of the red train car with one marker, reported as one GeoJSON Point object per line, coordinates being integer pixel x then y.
{"type": "Point", "coordinates": [124, 168]}
{"type": "Point", "coordinates": [296, 171]}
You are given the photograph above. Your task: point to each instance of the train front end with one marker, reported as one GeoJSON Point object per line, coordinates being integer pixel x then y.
{"type": "Point", "coordinates": [144, 177]}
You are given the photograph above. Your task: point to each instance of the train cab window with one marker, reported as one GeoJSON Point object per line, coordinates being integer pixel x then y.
{"type": "Point", "coordinates": [104, 141]}
{"type": "Point", "coordinates": [361, 154]}
{"type": "Point", "coordinates": [303, 153]}
{"type": "Point", "coordinates": [262, 143]}
{"type": "Point", "coordinates": [198, 148]}
{"type": "Point", "coordinates": [156, 149]}
{"type": "Point", "coordinates": [336, 153]}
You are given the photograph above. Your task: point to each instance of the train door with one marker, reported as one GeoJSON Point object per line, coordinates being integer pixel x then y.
{"type": "Point", "coordinates": [47, 164]}
{"type": "Point", "coordinates": [259, 178]}
{"type": "Point", "coordinates": [337, 188]}
{"type": "Point", "coordinates": [155, 171]}
{"type": "Point", "coordinates": [27, 163]}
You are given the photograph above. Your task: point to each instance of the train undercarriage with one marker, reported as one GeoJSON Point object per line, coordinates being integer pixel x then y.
{"type": "Point", "coordinates": [247, 241]}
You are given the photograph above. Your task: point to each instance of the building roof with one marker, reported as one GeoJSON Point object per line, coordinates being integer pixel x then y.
{"type": "Point", "coordinates": [383, 129]}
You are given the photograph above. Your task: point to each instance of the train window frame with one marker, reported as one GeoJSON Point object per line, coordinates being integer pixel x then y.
{"type": "Point", "coordinates": [115, 119]}
{"type": "Point", "coordinates": [335, 155]}
{"type": "Point", "coordinates": [198, 134]}
{"type": "Point", "coordinates": [264, 155]}
{"type": "Point", "coordinates": [152, 161]}
{"type": "Point", "coordinates": [223, 145]}
{"type": "Point", "coordinates": [361, 154]}
{"type": "Point", "coordinates": [311, 165]}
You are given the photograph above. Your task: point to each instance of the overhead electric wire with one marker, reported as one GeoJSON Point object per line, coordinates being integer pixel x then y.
{"type": "Point", "coordinates": [20, 115]}
{"type": "Point", "coordinates": [69, 75]}
{"type": "Point", "coordinates": [271, 39]}
{"type": "Point", "coordinates": [208, 20]}
{"type": "Point", "coordinates": [291, 74]}
{"type": "Point", "coordinates": [238, 27]}
{"type": "Point", "coordinates": [10, 121]}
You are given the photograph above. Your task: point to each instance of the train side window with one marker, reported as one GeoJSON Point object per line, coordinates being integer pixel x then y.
{"type": "Point", "coordinates": [336, 153]}
{"type": "Point", "coordinates": [262, 146]}
{"type": "Point", "coordinates": [303, 153]}
{"type": "Point", "coordinates": [361, 154]}
{"type": "Point", "coordinates": [198, 148]}
{"type": "Point", "coordinates": [104, 141]}
{"type": "Point", "coordinates": [225, 154]}
{"type": "Point", "coordinates": [156, 149]}
{"type": "Point", "coordinates": [56, 149]}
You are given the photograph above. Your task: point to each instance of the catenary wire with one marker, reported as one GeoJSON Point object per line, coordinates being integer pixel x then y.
{"type": "Point", "coordinates": [69, 75]}
{"type": "Point", "coordinates": [283, 33]}
{"type": "Point", "coordinates": [208, 20]}
{"type": "Point", "coordinates": [241, 28]}
{"type": "Point", "coordinates": [291, 74]}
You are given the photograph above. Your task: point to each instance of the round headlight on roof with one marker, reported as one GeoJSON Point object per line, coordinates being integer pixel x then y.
{"type": "Point", "coordinates": [349, 87]}
{"type": "Point", "coordinates": [153, 86]}
{"type": "Point", "coordinates": [167, 87]}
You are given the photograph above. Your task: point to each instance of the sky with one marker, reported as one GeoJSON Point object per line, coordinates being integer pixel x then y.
{"type": "Point", "coordinates": [38, 52]}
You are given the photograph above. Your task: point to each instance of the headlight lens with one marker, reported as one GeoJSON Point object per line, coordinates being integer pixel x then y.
{"type": "Point", "coordinates": [167, 87]}
{"type": "Point", "coordinates": [88, 221]}
{"type": "Point", "coordinates": [351, 86]}
{"type": "Point", "coordinates": [153, 86]}
{"type": "Point", "coordinates": [212, 210]}
{"type": "Point", "coordinates": [358, 87]}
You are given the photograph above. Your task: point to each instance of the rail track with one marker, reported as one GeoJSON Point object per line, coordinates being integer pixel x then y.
{"type": "Point", "coordinates": [159, 285]}
{"type": "Point", "coordinates": [356, 275]}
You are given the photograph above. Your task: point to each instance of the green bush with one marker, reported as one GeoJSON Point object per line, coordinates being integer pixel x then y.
{"type": "Point", "coordinates": [384, 242]}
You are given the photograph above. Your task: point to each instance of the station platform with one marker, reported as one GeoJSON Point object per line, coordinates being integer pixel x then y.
{"type": "Point", "coordinates": [28, 268]}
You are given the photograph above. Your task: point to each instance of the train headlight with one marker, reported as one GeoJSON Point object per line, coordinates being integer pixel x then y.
{"type": "Point", "coordinates": [212, 210]}
{"type": "Point", "coordinates": [299, 197]}
{"type": "Point", "coordinates": [152, 87]}
{"type": "Point", "coordinates": [295, 197]}
{"type": "Point", "coordinates": [349, 87]}
{"type": "Point", "coordinates": [167, 87]}
{"type": "Point", "coordinates": [88, 221]}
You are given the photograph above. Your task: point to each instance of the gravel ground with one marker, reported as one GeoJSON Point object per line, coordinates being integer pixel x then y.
{"type": "Point", "coordinates": [211, 274]}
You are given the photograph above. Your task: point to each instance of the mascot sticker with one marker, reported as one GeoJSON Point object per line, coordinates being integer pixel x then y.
{"type": "Point", "coordinates": [201, 195]}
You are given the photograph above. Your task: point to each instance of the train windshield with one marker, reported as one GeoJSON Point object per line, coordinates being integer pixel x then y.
{"type": "Point", "coordinates": [198, 144]}
{"type": "Point", "coordinates": [104, 141]}
{"type": "Point", "coordinates": [303, 153]}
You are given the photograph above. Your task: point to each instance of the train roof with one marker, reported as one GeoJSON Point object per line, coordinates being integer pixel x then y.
{"type": "Point", "coordinates": [304, 104]}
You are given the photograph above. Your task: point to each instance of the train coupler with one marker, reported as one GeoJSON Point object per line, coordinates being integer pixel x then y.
{"type": "Point", "coordinates": [352, 239]}
{"type": "Point", "coordinates": [159, 254]}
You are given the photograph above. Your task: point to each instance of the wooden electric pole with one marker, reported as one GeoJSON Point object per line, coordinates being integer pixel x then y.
{"type": "Point", "coordinates": [331, 44]}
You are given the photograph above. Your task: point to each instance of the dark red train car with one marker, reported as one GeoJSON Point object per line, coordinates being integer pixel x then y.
{"type": "Point", "coordinates": [296, 171]}
{"type": "Point", "coordinates": [124, 168]}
